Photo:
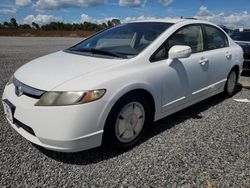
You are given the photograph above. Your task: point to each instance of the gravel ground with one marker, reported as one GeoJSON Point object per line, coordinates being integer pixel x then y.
{"type": "Point", "coordinates": [206, 145]}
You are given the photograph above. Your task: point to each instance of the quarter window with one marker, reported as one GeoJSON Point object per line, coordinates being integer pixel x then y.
{"type": "Point", "coordinates": [215, 38]}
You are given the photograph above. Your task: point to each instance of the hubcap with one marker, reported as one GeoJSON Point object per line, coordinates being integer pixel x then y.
{"type": "Point", "coordinates": [130, 122]}
{"type": "Point", "coordinates": [231, 82]}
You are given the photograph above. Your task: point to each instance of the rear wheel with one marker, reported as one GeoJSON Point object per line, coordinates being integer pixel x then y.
{"type": "Point", "coordinates": [127, 121]}
{"type": "Point", "coordinates": [230, 87]}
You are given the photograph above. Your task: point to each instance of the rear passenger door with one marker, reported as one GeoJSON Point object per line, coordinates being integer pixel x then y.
{"type": "Point", "coordinates": [219, 55]}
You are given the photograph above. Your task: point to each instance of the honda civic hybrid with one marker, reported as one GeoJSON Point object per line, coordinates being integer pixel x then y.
{"type": "Point", "coordinates": [109, 88]}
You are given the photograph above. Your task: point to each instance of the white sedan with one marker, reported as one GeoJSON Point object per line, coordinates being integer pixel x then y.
{"type": "Point", "coordinates": [111, 86]}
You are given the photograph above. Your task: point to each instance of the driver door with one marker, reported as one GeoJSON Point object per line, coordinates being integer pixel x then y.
{"type": "Point", "coordinates": [183, 78]}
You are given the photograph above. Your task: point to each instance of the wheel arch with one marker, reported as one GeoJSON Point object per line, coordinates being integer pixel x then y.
{"type": "Point", "coordinates": [228, 93]}
{"type": "Point", "coordinates": [145, 93]}
{"type": "Point", "coordinates": [137, 88]}
{"type": "Point", "coordinates": [235, 68]}
{"type": "Point", "coordinates": [135, 93]}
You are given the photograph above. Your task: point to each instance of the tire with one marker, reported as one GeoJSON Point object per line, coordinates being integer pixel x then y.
{"type": "Point", "coordinates": [127, 121]}
{"type": "Point", "coordinates": [230, 87]}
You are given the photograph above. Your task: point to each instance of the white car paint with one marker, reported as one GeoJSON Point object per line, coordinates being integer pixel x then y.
{"type": "Point", "coordinates": [66, 67]}
{"type": "Point", "coordinates": [173, 84]}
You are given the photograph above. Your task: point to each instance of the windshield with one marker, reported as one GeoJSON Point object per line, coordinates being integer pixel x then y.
{"type": "Point", "coordinates": [123, 41]}
{"type": "Point", "coordinates": [241, 36]}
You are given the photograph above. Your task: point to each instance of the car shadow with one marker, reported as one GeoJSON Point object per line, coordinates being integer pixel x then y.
{"type": "Point", "coordinates": [104, 153]}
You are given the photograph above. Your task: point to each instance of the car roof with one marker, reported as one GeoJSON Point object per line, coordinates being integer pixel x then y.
{"type": "Point", "coordinates": [166, 20]}
{"type": "Point", "coordinates": [175, 21]}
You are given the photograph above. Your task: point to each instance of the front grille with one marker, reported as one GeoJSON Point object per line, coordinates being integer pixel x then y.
{"type": "Point", "coordinates": [23, 89]}
{"type": "Point", "coordinates": [25, 127]}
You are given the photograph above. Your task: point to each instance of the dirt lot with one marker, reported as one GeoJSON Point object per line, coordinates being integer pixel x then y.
{"type": "Point", "coordinates": [205, 145]}
{"type": "Point", "coordinates": [43, 33]}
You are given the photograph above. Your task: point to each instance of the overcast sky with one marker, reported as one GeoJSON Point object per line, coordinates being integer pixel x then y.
{"type": "Point", "coordinates": [232, 13]}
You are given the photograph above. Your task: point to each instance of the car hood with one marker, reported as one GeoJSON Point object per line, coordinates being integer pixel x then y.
{"type": "Point", "coordinates": [52, 70]}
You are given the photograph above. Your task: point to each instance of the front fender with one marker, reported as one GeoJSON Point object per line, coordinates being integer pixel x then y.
{"type": "Point", "coordinates": [114, 97]}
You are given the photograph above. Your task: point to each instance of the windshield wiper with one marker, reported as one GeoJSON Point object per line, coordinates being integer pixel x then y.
{"type": "Point", "coordinates": [102, 52]}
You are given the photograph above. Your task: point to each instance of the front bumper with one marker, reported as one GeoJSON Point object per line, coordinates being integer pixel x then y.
{"type": "Point", "coordinates": [65, 128]}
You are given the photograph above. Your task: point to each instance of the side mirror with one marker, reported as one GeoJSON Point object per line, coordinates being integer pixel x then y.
{"type": "Point", "coordinates": [179, 51]}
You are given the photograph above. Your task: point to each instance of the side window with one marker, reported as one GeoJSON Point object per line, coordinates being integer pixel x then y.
{"type": "Point", "coordinates": [215, 38]}
{"type": "Point", "coordinates": [188, 35]}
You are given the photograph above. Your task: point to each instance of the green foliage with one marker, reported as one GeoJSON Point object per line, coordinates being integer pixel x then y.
{"type": "Point", "coordinates": [6, 24]}
{"type": "Point", "coordinates": [24, 26]}
{"type": "Point", "coordinates": [13, 23]}
{"type": "Point", "coordinates": [116, 22]}
{"type": "Point", "coordinates": [35, 25]}
{"type": "Point", "coordinates": [60, 26]}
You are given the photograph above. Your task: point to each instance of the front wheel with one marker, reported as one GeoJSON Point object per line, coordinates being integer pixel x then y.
{"type": "Point", "coordinates": [230, 87]}
{"type": "Point", "coordinates": [127, 121]}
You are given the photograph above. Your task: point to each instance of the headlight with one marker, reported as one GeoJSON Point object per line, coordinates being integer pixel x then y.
{"type": "Point", "coordinates": [52, 98]}
{"type": "Point", "coordinates": [10, 80]}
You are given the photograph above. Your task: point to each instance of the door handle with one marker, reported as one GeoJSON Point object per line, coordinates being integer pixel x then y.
{"type": "Point", "coordinates": [228, 55]}
{"type": "Point", "coordinates": [203, 61]}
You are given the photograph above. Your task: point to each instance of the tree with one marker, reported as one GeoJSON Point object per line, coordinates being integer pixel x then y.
{"type": "Point", "coordinates": [24, 26]}
{"type": "Point", "coordinates": [110, 24]}
{"type": "Point", "coordinates": [35, 25]}
{"type": "Point", "coordinates": [6, 24]}
{"type": "Point", "coordinates": [116, 21]}
{"type": "Point", "coordinates": [104, 26]}
{"type": "Point", "coordinates": [68, 27]}
{"type": "Point", "coordinates": [60, 26]}
{"type": "Point", "coordinates": [13, 23]}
